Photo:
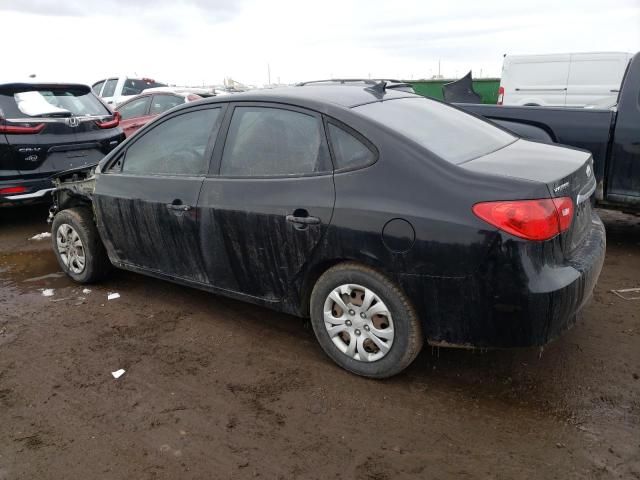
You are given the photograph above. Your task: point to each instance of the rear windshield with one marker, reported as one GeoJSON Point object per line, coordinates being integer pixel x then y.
{"type": "Point", "coordinates": [451, 134]}
{"type": "Point", "coordinates": [135, 86]}
{"type": "Point", "coordinates": [49, 102]}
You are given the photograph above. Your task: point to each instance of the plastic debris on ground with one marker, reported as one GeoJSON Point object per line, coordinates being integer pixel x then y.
{"type": "Point", "coordinates": [628, 293]}
{"type": "Point", "coordinates": [47, 292]}
{"type": "Point", "coordinates": [113, 296]}
{"type": "Point", "coordinates": [86, 290]}
{"type": "Point", "coordinates": [41, 236]}
{"type": "Point", "coordinates": [118, 373]}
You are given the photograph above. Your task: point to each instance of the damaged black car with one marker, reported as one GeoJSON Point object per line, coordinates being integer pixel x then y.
{"type": "Point", "coordinates": [387, 218]}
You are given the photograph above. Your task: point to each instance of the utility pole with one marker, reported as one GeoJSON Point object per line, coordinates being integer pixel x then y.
{"type": "Point", "coordinates": [269, 73]}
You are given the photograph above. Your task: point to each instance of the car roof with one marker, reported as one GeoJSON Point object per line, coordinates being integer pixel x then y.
{"type": "Point", "coordinates": [42, 85]}
{"type": "Point", "coordinates": [346, 96]}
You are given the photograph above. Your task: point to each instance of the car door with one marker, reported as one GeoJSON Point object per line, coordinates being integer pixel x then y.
{"type": "Point", "coordinates": [269, 202]}
{"type": "Point", "coordinates": [109, 91]}
{"type": "Point", "coordinates": [146, 200]}
{"type": "Point", "coordinates": [134, 114]}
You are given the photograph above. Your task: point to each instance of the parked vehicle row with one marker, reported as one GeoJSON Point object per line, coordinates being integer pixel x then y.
{"type": "Point", "coordinates": [47, 128]}
{"type": "Point", "coordinates": [612, 135]}
{"type": "Point", "coordinates": [385, 217]}
{"type": "Point", "coordinates": [116, 90]}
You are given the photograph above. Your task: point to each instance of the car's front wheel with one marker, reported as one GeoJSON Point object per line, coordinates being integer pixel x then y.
{"type": "Point", "coordinates": [78, 247]}
{"type": "Point", "coordinates": [364, 322]}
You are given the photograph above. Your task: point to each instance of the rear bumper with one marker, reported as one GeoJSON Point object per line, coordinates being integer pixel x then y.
{"type": "Point", "coordinates": [35, 191]}
{"type": "Point", "coordinates": [518, 303]}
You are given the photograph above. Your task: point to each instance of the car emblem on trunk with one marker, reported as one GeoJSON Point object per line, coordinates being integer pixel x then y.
{"type": "Point", "coordinates": [588, 171]}
{"type": "Point", "coordinates": [73, 121]}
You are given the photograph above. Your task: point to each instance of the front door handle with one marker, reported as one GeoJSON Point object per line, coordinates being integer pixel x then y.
{"type": "Point", "coordinates": [179, 207]}
{"type": "Point", "coordinates": [303, 220]}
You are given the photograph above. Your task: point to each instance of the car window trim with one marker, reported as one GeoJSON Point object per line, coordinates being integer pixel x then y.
{"type": "Point", "coordinates": [216, 164]}
{"type": "Point", "coordinates": [358, 136]}
{"type": "Point", "coordinates": [208, 153]}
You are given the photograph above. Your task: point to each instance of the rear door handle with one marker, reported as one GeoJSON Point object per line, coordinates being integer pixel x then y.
{"type": "Point", "coordinates": [303, 220]}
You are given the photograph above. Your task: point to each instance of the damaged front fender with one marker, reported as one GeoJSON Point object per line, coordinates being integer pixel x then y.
{"type": "Point", "coordinates": [73, 188]}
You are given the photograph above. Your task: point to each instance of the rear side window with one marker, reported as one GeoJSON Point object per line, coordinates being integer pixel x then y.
{"type": "Point", "coordinates": [134, 108]}
{"type": "Point", "coordinates": [110, 87]}
{"type": "Point", "coordinates": [451, 134]}
{"type": "Point", "coordinates": [348, 151]}
{"type": "Point", "coordinates": [176, 146]}
{"type": "Point", "coordinates": [162, 103]}
{"type": "Point", "coordinates": [50, 102]}
{"type": "Point", "coordinates": [266, 141]}
{"type": "Point", "coordinates": [97, 87]}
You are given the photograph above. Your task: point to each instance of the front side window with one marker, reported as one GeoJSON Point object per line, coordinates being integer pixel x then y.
{"type": "Point", "coordinates": [134, 108]}
{"type": "Point", "coordinates": [266, 141]}
{"type": "Point", "coordinates": [110, 87]}
{"type": "Point", "coordinates": [349, 152]}
{"type": "Point", "coordinates": [162, 103]}
{"type": "Point", "coordinates": [453, 135]}
{"type": "Point", "coordinates": [177, 146]}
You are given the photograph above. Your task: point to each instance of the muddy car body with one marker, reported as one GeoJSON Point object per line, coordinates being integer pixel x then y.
{"type": "Point", "coordinates": [412, 221]}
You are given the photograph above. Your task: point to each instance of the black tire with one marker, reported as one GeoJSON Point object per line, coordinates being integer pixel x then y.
{"type": "Point", "coordinates": [407, 340]}
{"type": "Point", "coordinates": [96, 260]}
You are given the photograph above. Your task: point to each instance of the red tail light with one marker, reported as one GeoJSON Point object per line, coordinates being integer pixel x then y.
{"type": "Point", "coordinates": [21, 128]}
{"type": "Point", "coordinates": [12, 190]}
{"type": "Point", "coordinates": [114, 122]}
{"type": "Point", "coordinates": [500, 95]}
{"type": "Point", "coordinates": [529, 219]}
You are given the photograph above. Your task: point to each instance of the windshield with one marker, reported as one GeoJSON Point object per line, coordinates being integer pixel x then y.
{"type": "Point", "coordinates": [50, 102]}
{"type": "Point", "coordinates": [453, 135]}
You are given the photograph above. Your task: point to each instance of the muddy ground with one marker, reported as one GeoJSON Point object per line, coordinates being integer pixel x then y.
{"type": "Point", "coordinates": [218, 389]}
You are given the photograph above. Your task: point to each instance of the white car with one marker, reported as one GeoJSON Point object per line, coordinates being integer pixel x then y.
{"type": "Point", "coordinates": [115, 90]}
{"type": "Point", "coordinates": [562, 80]}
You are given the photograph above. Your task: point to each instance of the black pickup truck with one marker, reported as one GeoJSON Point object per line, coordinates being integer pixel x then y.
{"type": "Point", "coordinates": [612, 135]}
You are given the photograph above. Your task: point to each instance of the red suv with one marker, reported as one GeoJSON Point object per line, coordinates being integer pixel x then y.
{"type": "Point", "coordinates": [138, 110]}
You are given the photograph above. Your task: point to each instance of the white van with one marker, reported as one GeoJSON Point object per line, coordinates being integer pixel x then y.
{"type": "Point", "coordinates": [562, 80]}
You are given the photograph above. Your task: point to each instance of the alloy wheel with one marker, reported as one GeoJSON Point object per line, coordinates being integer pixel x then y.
{"type": "Point", "coordinates": [70, 248]}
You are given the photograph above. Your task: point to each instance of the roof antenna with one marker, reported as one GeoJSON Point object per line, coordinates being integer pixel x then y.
{"type": "Point", "coordinates": [380, 87]}
{"type": "Point", "coordinates": [378, 90]}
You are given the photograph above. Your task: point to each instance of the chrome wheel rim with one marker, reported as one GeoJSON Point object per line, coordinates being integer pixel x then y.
{"type": "Point", "coordinates": [70, 248]}
{"type": "Point", "coordinates": [358, 322]}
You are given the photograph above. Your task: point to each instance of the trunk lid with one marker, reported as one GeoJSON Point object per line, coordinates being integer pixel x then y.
{"type": "Point", "coordinates": [567, 172]}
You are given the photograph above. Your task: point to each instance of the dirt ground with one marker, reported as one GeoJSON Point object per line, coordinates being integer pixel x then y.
{"type": "Point", "coordinates": [218, 389]}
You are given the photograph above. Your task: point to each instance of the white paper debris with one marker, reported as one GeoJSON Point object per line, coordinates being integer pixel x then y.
{"type": "Point", "coordinates": [47, 292]}
{"type": "Point", "coordinates": [118, 373]}
{"type": "Point", "coordinates": [41, 236]}
{"type": "Point", "coordinates": [86, 290]}
{"type": "Point", "coordinates": [113, 296]}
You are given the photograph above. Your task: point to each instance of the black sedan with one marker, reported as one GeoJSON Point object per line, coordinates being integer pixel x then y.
{"type": "Point", "coordinates": [387, 218]}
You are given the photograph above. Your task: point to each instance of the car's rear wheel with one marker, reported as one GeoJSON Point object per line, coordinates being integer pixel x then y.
{"type": "Point", "coordinates": [78, 247]}
{"type": "Point", "coordinates": [364, 322]}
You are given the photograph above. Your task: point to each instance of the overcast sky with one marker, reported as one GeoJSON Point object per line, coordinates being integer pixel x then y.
{"type": "Point", "coordinates": [203, 41]}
